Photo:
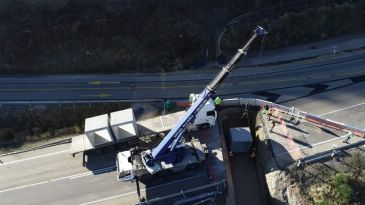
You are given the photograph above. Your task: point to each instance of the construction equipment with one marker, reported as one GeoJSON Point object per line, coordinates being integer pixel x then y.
{"type": "Point", "coordinates": [122, 129]}
{"type": "Point", "coordinates": [172, 156]}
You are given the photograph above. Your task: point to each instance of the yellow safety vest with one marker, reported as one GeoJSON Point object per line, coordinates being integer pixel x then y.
{"type": "Point", "coordinates": [217, 100]}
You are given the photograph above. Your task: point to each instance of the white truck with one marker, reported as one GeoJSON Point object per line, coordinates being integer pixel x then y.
{"type": "Point", "coordinates": [194, 153]}
{"type": "Point", "coordinates": [192, 157]}
{"type": "Point", "coordinates": [122, 128]}
{"type": "Point", "coordinates": [207, 116]}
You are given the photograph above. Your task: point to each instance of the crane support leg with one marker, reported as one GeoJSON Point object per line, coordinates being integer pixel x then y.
{"type": "Point", "coordinates": [140, 199]}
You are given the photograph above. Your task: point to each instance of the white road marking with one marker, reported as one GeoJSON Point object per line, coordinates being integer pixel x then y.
{"type": "Point", "coordinates": [345, 108]}
{"type": "Point", "coordinates": [36, 157]}
{"type": "Point", "coordinates": [21, 187]}
{"type": "Point", "coordinates": [112, 197]}
{"type": "Point", "coordinates": [98, 171]}
{"type": "Point", "coordinates": [333, 111]}
{"type": "Point", "coordinates": [75, 176]}
{"type": "Point", "coordinates": [313, 145]}
{"type": "Point", "coordinates": [89, 173]}
{"type": "Point", "coordinates": [133, 192]}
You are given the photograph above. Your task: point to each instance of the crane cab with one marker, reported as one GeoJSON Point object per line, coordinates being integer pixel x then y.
{"type": "Point", "coordinates": [207, 116]}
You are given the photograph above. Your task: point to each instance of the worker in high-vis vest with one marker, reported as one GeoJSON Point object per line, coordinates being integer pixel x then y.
{"type": "Point", "coordinates": [348, 137]}
{"type": "Point", "coordinates": [267, 111]}
{"type": "Point", "coordinates": [217, 102]}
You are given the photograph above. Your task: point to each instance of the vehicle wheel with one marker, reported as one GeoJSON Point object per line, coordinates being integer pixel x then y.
{"type": "Point", "coordinates": [165, 173]}
{"type": "Point", "coordinates": [192, 167]}
{"type": "Point", "coordinates": [122, 147]}
{"type": "Point", "coordinates": [179, 157]}
{"type": "Point", "coordinates": [146, 178]}
{"type": "Point", "coordinates": [206, 126]}
{"type": "Point", "coordinates": [203, 126]}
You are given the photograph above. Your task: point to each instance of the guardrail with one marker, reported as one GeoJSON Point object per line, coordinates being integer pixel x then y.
{"type": "Point", "coordinates": [328, 153]}
{"type": "Point", "coordinates": [296, 113]}
{"type": "Point", "coordinates": [59, 102]}
{"type": "Point", "coordinates": [65, 141]}
{"type": "Point", "coordinates": [204, 193]}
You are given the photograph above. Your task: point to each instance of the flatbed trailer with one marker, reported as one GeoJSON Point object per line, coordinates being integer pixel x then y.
{"type": "Point", "coordinates": [148, 127]}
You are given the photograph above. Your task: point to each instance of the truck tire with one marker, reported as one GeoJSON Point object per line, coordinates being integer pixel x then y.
{"type": "Point", "coordinates": [165, 173]}
{"type": "Point", "coordinates": [145, 178]}
{"type": "Point", "coordinates": [192, 167]}
{"type": "Point", "coordinates": [203, 126]}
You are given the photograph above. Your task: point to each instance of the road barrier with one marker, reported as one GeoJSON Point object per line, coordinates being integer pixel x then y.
{"type": "Point", "coordinates": [296, 113]}
{"type": "Point", "coordinates": [65, 141]}
{"type": "Point", "coordinates": [4, 104]}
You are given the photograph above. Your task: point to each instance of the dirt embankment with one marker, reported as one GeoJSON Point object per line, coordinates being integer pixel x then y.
{"type": "Point", "coordinates": [282, 187]}
{"type": "Point", "coordinates": [335, 181]}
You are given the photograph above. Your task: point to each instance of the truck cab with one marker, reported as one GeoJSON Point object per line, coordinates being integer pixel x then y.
{"type": "Point", "coordinates": [207, 116]}
{"type": "Point", "coordinates": [129, 166]}
{"type": "Point", "coordinates": [124, 167]}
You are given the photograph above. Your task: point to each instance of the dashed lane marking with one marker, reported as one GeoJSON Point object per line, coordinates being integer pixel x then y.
{"type": "Point", "coordinates": [36, 157]}
{"type": "Point", "coordinates": [89, 173]}
{"type": "Point", "coordinates": [25, 186]}
{"type": "Point", "coordinates": [133, 192]}
{"type": "Point", "coordinates": [342, 109]}
{"type": "Point", "coordinates": [313, 145]}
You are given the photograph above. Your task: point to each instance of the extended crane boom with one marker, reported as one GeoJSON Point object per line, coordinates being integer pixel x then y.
{"type": "Point", "coordinates": [165, 150]}
{"type": "Point", "coordinates": [170, 156]}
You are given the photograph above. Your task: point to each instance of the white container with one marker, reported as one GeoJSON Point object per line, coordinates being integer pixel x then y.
{"type": "Point", "coordinates": [123, 124]}
{"type": "Point", "coordinates": [97, 130]}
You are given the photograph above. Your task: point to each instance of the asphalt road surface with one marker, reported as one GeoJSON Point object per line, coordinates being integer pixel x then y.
{"type": "Point", "coordinates": [178, 85]}
{"type": "Point", "coordinates": [52, 176]}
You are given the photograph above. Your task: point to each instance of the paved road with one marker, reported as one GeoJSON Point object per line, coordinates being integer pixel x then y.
{"type": "Point", "coordinates": [177, 85]}
{"type": "Point", "coordinates": [52, 176]}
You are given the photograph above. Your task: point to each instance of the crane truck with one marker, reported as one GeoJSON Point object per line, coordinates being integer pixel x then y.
{"type": "Point", "coordinates": [170, 155]}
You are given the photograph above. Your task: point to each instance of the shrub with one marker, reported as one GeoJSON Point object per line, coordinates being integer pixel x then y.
{"type": "Point", "coordinates": [342, 188]}
{"type": "Point", "coordinates": [6, 135]}
{"type": "Point", "coordinates": [324, 202]}
{"type": "Point", "coordinates": [341, 179]}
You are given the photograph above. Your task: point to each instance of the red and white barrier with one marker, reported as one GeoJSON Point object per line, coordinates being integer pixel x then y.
{"type": "Point", "coordinates": [291, 111]}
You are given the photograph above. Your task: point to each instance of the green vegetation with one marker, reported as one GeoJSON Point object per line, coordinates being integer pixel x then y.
{"type": "Point", "coordinates": [337, 191]}
{"type": "Point", "coordinates": [342, 188]}
{"type": "Point", "coordinates": [324, 202]}
{"type": "Point", "coordinates": [334, 182]}
{"type": "Point", "coordinates": [44, 123]}
{"type": "Point", "coordinates": [310, 25]}
{"type": "Point", "coordinates": [108, 36]}
{"type": "Point", "coordinates": [6, 135]}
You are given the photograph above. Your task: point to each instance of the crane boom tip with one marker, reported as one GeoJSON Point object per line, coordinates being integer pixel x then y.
{"type": "Point", "coordinates": [260, 31]}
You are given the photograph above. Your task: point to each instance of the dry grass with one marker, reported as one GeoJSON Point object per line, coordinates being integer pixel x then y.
{"type": "Point", "coordinates": [336, 182]}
